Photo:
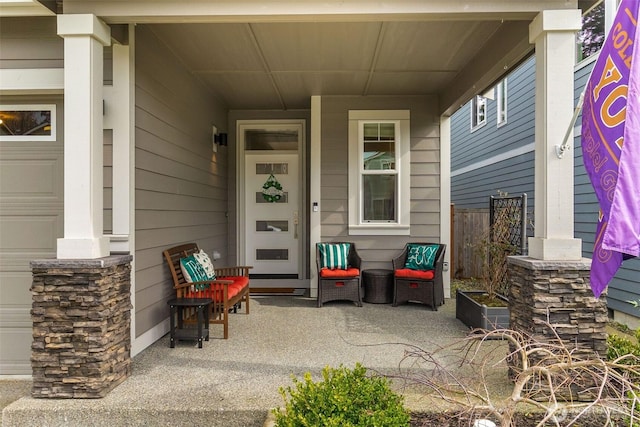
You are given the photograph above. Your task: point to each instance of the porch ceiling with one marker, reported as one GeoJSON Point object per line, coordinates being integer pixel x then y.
{"type": "Point", "coordinates": [276, 54]}
{"type": "Point", "coordinates": [280, 65]}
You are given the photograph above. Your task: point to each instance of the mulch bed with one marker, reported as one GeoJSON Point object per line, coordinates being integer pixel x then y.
{"type": "Point", "coordinates": [521, 420]}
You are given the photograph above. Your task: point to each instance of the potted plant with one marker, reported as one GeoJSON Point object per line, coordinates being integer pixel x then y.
{"type": "Point", "coordinates": [487, 307]}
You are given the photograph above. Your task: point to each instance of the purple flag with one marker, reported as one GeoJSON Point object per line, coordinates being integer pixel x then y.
{"type": "Point", "coordinates": [609, 118]}
{"type": "Point", "coordinates": [623, 232]}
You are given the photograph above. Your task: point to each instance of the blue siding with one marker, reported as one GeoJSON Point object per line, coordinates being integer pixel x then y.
{"type": "Point", "coordinates": [513, 176]}
{"type": "Point", "coordinates": [469, 147]}
{"type": "Point", "coordinates": [474, 153]}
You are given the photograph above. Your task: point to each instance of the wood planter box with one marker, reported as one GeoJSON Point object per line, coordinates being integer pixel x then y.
{"type": "Point", "coordinates": [476, 315]}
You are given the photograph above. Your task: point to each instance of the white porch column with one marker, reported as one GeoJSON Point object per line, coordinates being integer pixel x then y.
{"type": "Point", "coordinates": [553, 32]}
{"type": "Point", "coordinates": [315, 227]}
{"type": "Point", "coordinates": [445, 199]}
{"type": "Point", "coordinates": [84, 38]}
{"type": "Point", "coordinates": [119, 116]}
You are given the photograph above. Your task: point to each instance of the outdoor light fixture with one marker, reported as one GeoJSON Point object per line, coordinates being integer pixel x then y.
{"type": "Point", "coordinates": [220, 139]}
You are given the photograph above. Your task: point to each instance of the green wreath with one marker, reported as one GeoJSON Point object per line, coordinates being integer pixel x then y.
{"type": "Point", "coordinates": [272, 190]}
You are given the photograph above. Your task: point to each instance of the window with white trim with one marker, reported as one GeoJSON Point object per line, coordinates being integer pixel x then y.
{"type": "Point", "coordinates": [28, 122]}
{"type": "Point", "coordinates": [478, 111]}
{"type": "Point", "coordinates": [379, 172]}
{"type": "Point", "coordinates": [501, 102]}
{"type": "Point", "coordinates": [591, 36]}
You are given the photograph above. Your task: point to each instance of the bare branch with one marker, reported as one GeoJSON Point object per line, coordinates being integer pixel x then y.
{"type": "Point", "coordinates": [560, 383]}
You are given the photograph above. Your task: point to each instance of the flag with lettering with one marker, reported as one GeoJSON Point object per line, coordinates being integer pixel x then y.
{"type": "Point", "coordinates": [611, 145]}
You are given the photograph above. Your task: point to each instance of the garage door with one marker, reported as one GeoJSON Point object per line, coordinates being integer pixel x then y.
{"type": "Point", "coordinates": [31, 220]}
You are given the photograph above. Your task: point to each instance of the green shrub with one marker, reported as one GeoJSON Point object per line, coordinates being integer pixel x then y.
{"type": "Point", "coordinates": [618, 346]}
{"type": "Point", "coordinates": [344, 398]}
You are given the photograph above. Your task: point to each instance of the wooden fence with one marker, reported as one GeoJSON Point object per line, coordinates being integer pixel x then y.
{"type": "Point", "coordinates": [467, 227]}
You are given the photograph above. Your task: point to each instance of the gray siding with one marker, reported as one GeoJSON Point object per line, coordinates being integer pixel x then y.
{"type": "Point", "coordinates": [181, 185]}
{"type": "Point", "coordinates": [30, 43]}
{"type": "Point", "coordinates": [377, 251]}
{"type": "Point", "coordinates": [34, 42]}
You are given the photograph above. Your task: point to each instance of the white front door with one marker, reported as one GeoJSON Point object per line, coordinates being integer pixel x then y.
{"type": "Point", "coordinates": [272, 226]}
{"type": "Point", "coordinates": [272, 199]}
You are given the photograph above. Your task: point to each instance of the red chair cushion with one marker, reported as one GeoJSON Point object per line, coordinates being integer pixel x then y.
{"type": "Point", "coordinates": [415, 274]}
{"type": "Point", "coordinates": [215, 290]}
{"type": "Point", "coordinates": [238, 281]}
{"type": "Point", "coordinates": [232, 292]}
{"type": "Point", "coordinates": [349, 272]}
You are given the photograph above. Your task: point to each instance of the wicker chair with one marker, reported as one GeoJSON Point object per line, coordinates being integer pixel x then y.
{"type": "Point", "coordinates": [409, 286]}
{"type": "Point", "coordinates": [340, 284]}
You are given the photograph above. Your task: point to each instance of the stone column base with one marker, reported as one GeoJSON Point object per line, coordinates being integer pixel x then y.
{"type": "Point", "coordinates": [551, 300]}
{"type": "Point", "coordinates": [81, 317]}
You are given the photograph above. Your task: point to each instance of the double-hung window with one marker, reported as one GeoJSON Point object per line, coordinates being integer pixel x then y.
{"type": "Point", "coordinates": [478, 111]}
{"type": "Point", "coordinates": [379, 172]}
{"type": "Point", "coordinates": [501, 102]}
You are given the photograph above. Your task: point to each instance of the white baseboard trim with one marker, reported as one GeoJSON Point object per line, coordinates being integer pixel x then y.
{"type": "Point", "coordinates": [16, 377]}
{"type": "Point", "coordinates": [149, 337]}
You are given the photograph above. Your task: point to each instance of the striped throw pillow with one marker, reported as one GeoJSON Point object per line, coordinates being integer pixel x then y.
{"type": "Point", "coordinates": [334, 255]}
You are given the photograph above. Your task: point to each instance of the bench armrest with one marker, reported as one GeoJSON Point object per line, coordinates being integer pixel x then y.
{"type": "Point", "coordinates": [204, 282]}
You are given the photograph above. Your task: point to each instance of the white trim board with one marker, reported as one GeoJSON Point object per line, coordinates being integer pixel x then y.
{"type": "Point", "coordinates": [32, 81]}
{"type": "Point", "coordinates": [315, 191]}
{"type": "Point", "coordinates": [445, 198]}
{"type": "Point", "coordinates": [148, 338]}
{"type": "Point", "coordinates": [495, 159]}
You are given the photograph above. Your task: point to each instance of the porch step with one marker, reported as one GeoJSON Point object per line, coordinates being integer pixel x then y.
{"type": "Point", "coordinates": [32, 412]}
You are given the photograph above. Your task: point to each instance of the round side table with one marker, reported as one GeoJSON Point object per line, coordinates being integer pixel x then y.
{"type": "Point", "coordinates": [378, 286]}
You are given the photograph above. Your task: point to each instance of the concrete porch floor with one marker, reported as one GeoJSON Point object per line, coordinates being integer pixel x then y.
{"type": "Point", "coordinates": [235, 382]}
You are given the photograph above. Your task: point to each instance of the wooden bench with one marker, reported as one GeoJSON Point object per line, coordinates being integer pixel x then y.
{"type": "Point", "coordinates": [231, 287]}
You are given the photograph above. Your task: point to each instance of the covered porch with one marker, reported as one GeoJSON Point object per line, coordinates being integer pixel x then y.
{"type": "Point", "coordinates": [329, 67]}
{"type": "Point", "coordinates": [235, 382]}
{"type": "Point", "coordinates": [142, 172]}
